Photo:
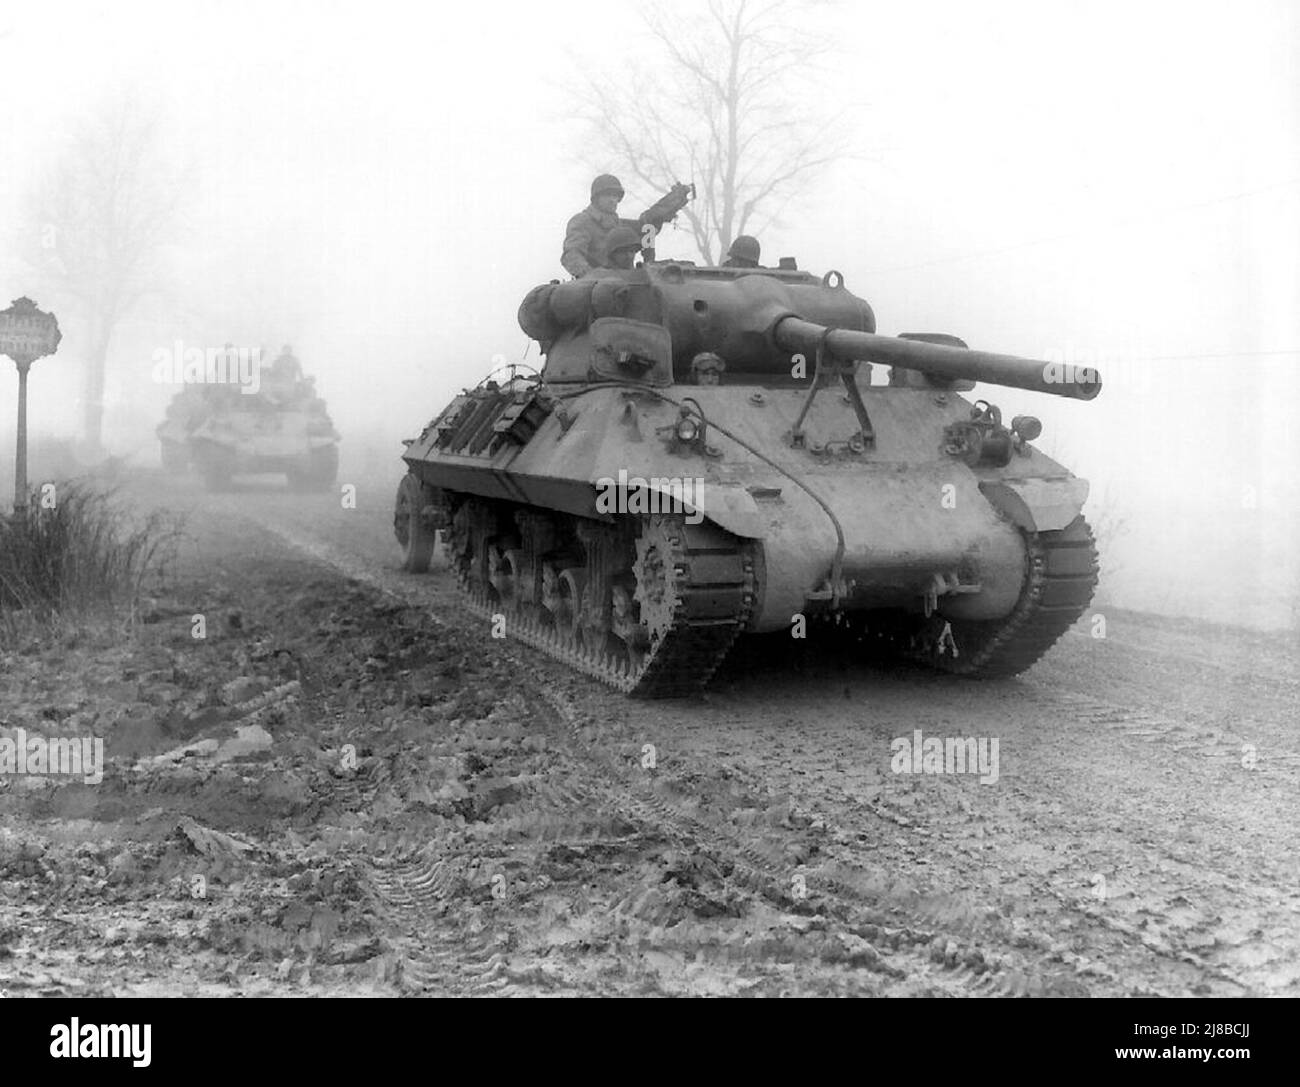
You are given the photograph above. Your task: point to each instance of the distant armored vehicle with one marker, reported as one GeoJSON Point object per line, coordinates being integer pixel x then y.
{"type": "Point", "coordinates": [221, 432]}
{"type": "Point", "coordinates": [706, 453]}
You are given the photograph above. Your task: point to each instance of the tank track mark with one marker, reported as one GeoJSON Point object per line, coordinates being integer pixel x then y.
{"type": "Point", "coordinates": [709, 601]}
{"type": "Point", "coordinates": [1062, 576]}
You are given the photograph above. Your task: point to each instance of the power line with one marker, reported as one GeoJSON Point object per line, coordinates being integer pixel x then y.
{"type": "Point", "coordinates": [1103, 359]}
{"type": "Point", "coordinates": [1218, 355]}
{"type": "Point", "coordinates": [1118, 224]}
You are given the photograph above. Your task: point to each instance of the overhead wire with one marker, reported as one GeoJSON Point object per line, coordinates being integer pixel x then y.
{"type": "Point", "coordinates": [1143, 217]}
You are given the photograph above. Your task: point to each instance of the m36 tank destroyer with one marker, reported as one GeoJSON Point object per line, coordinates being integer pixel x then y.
{"type": "Point", "coordinates": [705, 453]}
{"type": "Point", "coordinates": [223, 431]}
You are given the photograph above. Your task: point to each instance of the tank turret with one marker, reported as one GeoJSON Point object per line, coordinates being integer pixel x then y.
{"type": "Point", "coordinates": [756, 321]}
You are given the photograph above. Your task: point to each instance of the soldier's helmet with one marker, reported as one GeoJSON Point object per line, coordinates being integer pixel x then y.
{"type": "Point", "coordinates": [621, 239]}
{"type": "Point", "coordinates": [707, 368]}
{"type": "Point", "coordinates": [606, 183]}
{"type": "Point", "coordinates": [744, 248]}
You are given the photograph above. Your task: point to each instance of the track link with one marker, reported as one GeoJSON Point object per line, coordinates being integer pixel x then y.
{"type": "Point", "coordinates": [711, 595]}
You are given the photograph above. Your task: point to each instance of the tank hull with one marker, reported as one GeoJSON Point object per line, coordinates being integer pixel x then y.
{"type": "Point", "coordinates": [235, 435]}
{"type": "Point", "coordinates": [256, 443]}
{"type": "Point", "coordinates": [907, 511]}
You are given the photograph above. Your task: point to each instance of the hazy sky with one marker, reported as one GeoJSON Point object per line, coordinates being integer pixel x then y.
{"type": "Point", "coordinates": [380, 183]}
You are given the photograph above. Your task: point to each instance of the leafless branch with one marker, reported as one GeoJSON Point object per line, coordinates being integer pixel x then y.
{"type": "Point", "coordinates": [99, 221]}
{"type": "Point", "coordinates": [732, 99]}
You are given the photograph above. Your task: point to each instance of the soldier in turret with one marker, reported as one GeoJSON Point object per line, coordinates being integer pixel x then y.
{"type": "Point", "coordinates": [286, 367]}
{"type": "Point", "coordinates": [708, 368]}
{"type": "Point", "coordinates": [622, 247]}
{"type": "Point", "coordinates": [588, 231]}
{"type": "Point", "coordinates": [284, 378]}
{"type": "Point", "coordinates": [744, 253]}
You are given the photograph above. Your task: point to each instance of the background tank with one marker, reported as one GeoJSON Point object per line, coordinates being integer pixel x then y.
{"type": "Point", "coordinates": [221, 432]}
{"type": "Point", "coordinates": [705, 454]}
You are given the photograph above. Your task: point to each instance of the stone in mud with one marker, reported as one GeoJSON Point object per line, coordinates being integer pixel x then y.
{"type": "Point", "coordinates": [493, 793]}
{"type": "Point", "coordinates": [244, 689]}
{"type": "Point", "coordinates": [248, 740]}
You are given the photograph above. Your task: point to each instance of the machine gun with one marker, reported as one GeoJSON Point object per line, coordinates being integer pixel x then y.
{"type": "Point", "coordinates": [663, 210]}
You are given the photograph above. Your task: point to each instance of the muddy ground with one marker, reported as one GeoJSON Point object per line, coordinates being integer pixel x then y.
{"type": "Point", "coordinates": [348, 786]}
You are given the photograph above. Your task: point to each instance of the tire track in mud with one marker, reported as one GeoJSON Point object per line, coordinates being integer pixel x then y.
{"type": "Point", "coordinates": [1179, 915]}
{"type": "Point", "coordinates": [893, 944]}
{"type": "Point", "coordinates": [941, 941]}
{"type": "Point", "coordinates": [1172, 900]}
{"type": "Point", "coordinates": [1178, 735]}
{"type": "Point", "coordinates": [411, 895]}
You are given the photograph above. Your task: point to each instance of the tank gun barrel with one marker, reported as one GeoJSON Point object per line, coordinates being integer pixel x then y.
{"type": "Point", "coordinates": [952, 363]}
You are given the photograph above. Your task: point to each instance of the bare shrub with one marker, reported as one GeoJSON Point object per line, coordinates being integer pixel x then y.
{"type": "Point", "coordinates": [83, 553]}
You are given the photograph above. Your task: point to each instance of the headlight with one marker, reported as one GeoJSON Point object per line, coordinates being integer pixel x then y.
{"type": "Point", "coordinates": [1027, 427]}
{"type": "Point", "coordinates": [687, 429]}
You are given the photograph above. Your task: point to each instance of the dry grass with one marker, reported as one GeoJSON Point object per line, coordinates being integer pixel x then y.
{"type": "Point", "coordinates": [85, 554]}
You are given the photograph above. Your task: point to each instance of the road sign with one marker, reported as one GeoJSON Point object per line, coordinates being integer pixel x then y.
{"type": "Point", "coordinates": [26, 334]}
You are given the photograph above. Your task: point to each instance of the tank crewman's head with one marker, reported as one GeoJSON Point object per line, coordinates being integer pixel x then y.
{"type": "Point", "coordinates": [744, 252]}
{"type": "Point", "coordinates": [707, 368]}
{"type": "Point", "coordinates": [606, 192]}
{"type": "Point", "coordinates": [621, 247]}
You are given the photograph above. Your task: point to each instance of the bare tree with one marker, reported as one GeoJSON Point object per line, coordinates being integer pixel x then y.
{"type": "Point", "coordinates": [733, 105]}
{"type": "Point", "coordinates": [99, 221]}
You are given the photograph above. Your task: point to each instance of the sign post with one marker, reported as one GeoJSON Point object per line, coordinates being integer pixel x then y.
{"type": "Point", "coordinates": [26, 334]}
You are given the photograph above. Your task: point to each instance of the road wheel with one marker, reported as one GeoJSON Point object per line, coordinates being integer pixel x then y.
{"type": "Point", "coordinates": [413, 533]}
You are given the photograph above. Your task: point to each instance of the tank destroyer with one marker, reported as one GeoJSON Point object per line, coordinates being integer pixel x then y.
{"type": "Point", "coordinates": [221, 431]}
{"type": "Point", "coordinates": [714, 451]}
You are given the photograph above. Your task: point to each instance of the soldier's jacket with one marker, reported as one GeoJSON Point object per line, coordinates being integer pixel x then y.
{"type": "Point", "coordinates": [584, 239]}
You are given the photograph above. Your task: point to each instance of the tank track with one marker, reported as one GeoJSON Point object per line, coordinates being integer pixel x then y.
{"type": "Point", "coordinates": [711, 601]}
{"type": "Point", "coordinates": [1062, 572]}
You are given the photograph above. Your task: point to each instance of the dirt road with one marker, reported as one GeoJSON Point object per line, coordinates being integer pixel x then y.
{"type": "Point", "coordinates": [349, 785]}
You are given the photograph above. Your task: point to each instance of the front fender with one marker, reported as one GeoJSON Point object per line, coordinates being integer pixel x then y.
{"type": "Point", "coordinates": [1037, 505]}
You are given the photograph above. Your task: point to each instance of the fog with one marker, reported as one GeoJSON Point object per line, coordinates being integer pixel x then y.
{"type": "Point", "coordinates": [379, 185]}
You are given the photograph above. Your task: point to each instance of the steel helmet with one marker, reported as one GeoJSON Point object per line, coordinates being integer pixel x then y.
{"type": "Point", "coordinates": [622, 237]}
{"type": "Point", "coordinates": [744, 248]}
{"type": "Point", "coordinates": [606, 183]}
